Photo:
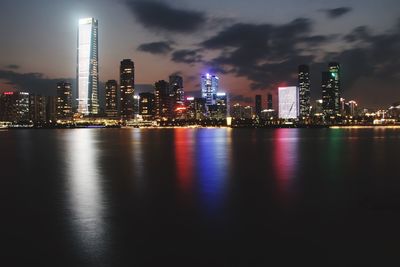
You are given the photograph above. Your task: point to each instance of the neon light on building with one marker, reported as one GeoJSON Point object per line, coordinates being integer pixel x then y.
{"type": "Point", "coordinates": [288, 102]}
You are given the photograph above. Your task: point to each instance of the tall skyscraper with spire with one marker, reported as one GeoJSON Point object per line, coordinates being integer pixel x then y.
{"type": "Point", "coordinates": [88, 67]}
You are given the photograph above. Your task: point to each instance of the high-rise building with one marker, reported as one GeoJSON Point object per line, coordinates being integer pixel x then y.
{"type": "Point", "coordinates": [220, 109]}
{"type": "Point", "coordinates": [331, 90]}
{"type": "Point", "coordinates": [87, 71]}
{"type": "Point", "coordinates": [176, 88]}
{"type": "Point", "coordinates": [269, 102]}
{"type": "Point", "coordinates": [112, 99]}
{"type": "Point", "coordinates": [163, 100]}
{"type": "Point", "coordinates": [258, 105]}
{"type": "Point", "coordinates": [304, 90]}
{"type": "Point", "coordinates": [64, 100]}
{"type": "Point", "coordinates": [37, 108]}
{"type": "Point", "coordinates": [127, 88]}
{"type": "Point", "coordinates": [146, 105]}
{"type": "Point", "coordinates": [209, 88]}
{"type": "Point", "coordinates": [15, 107]}
{"type": "Point", "coordinates": [334, 70]}
{"type": "Point", "coordinates": [288, 102]}
{"type": "Point", "coordinates": [248, 112]}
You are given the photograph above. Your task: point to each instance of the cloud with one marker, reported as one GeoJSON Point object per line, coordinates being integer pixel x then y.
{"type": "Point", "coordinates": [12, 66]}
{"type": "Point", "coordinates": [187, 56]}
{"type": "Point", "coordinates": [156, 47]}
{"type": "Point", "coordinates": [335, 13]}
{"type": "Point", "coordinates": [161, 16]}
{"type": "Point", "coordinates": [32, 82]}
{"type": "Point", "coordinates": [265, 54]}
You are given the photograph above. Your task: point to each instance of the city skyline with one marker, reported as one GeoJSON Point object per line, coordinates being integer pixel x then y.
{"type": "Point", "coordinates": [157, 53]}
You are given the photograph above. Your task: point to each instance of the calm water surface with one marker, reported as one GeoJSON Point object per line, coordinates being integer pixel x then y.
{"type": "Point", "coordinates": [200, 197]}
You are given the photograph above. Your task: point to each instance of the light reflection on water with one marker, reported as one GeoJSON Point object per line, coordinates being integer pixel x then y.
{"type": "Point", "coordinates": [286, 159]}
{"type": "Point", "coordinates": [213, 160]}
{"type": "Point", "coordinates": [85, 192]}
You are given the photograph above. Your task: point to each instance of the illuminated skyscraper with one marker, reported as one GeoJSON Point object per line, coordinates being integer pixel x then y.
{"type": "Point", "coordinates": [64, 100]}
{"type": "Point", "coordinates": [269, 102]}
{"type": "Point", "coordinates": [258, 105]}
{"type": "Point", "coordinates": [331, 90]}
{"type": "Point", "coordinates": [88, 72]}
{"type": "Point", "coordinates": [176, 88]}
{"type": "Point", "coordinates": [288, 102]}
{"type": "Point", "coordinates": [334, 70]}
{"type": "Point", "coordinates": [112, 98]}
{"type": "Point", "coordinates": [127, 87]}
{"type": "Point", "coordinates": [163, 100]}
{"type": "Point", "coordinates": [209, 88]}
{"type": "Point", "coordinates": [304, 90]}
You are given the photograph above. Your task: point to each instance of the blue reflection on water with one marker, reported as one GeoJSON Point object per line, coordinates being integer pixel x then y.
{"type": "Point", "coordinates": [213, 158]}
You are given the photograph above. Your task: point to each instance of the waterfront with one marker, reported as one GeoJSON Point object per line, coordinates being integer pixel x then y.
{"type": "Point", "coordinates": [200, 197]}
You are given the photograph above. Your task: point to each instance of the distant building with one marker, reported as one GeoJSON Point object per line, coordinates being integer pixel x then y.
{"type": "Point", "coordinates": [176, 89]}
{"type": "Point", "coordinates": [248, 112]}
{"type": "Point", "coordinates": [88, 70]}
{"type": "Point", "coordinates": [147, 105]}
{"type": "Point", "coordinates": [288, 102]}
{"type": "Point", "coordinates": [304, 90]}
{"type": "Point", "coordinates": [209, 88]}
{"type": "Point", "coordinates": [220, 109]}
{"type": "Point", "coordinates": [258, 105]}
{"type": "Point", "coordinates": [64, 100]}
{"type": "Point", "coordinates": [112, 99]}
{"type": "Point", "coordinates": [127, 88]}
{"type": "Point", "coordinates": [269, 102]}
{"type": "Point", "coordinates": [318, 110]}
{"type": "Point", "coordinates": [331, 90]}
{"type": "Point", "coordinates": [352, 108]}
{"type": "Point", "coordinates": [237, 111]}
{"type": "Point", "coordinates": [136, 103]}
{"type": "Point", "coordinates": [38, 108]}
{"type": "Point", "coordinates": [14, 107]}
{"type": "Point", "coordinates": [163, 100]}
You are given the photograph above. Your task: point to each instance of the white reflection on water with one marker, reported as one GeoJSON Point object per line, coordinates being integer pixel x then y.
{"type": "Point", "coordinates": [138, 159]}
{"type": "Point", "coordinates": [84, 189]}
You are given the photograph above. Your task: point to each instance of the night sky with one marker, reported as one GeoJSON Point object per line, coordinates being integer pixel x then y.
{"type": "Point", "coordinates": [254, 46]}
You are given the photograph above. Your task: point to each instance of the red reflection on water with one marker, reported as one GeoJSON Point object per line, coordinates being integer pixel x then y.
{"type": "Point", "coordinates": [285, 161]}
{"type": "Point", "coordinates": [184, 158]}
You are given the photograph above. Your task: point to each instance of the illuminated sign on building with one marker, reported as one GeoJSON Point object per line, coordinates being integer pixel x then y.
{"type": "Point", "coordinates": [288, 102]}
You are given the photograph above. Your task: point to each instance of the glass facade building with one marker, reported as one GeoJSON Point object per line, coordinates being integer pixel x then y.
{"type": "Point", "coordinates": [64, 100]}
{"type": "Point", "coordinates": [288, 98]}
{"type": "Point", "coordinates": [112, 98]}
{"type": "Point", "coordinates": [88, 71]}
{"type": "Point", "coordinates": [209, 88]}
{"type": "Point", "coordinates": [304, 90]}
{"type": "Point", "coordinates": [331, 90]}
{"type": "Point", "coordinates": [127, 88]}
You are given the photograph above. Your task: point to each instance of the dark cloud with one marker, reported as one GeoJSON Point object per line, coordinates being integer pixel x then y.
{"type": "Point", "coordinates": [12, 66]}
{"type": "Point", "coordinates": [156, 47]}
{"type": "Point", "coordinates": [32, 82]}
{"type": "Point", "coordinates": [187, 56]}
{"type": "Point", "coordinates": [163, 17]}
{"type": "Point", "coordinates": [361, 33]}
{"type": "Point", "coordinates": [265, 54]}
{"type": "Point", "coordinates": [337, 12]}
